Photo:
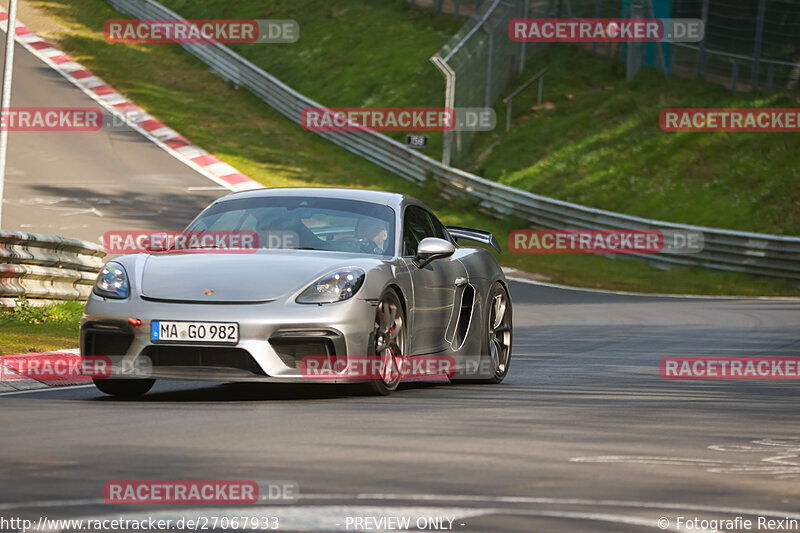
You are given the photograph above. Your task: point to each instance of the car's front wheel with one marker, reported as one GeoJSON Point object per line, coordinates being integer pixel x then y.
{"type": "Point", "coordinates": [126, 388]}
{"type": "Point", "coordinates": [389, 344]}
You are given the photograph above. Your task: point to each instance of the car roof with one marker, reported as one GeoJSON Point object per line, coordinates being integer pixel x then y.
{"type": "Point", "coordinates": [364, 195]}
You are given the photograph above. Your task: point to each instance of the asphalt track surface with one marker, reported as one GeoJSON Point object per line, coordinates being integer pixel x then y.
{"type": "Point", "coordinates": [82, 184]}
{"type": "Point", "coordinates": [583, 435]}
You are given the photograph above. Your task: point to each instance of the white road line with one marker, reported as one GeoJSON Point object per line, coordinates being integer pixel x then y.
{"type": "Point", "coordinates": [467, 498]}
{"type": "Point", "coordinates": [44, 389]}
{"type": "Point", "coordinates": [316, 516]}
{"type": "Point", "coordinates": [556, 501]}
{"type": "Point", "coordinates": [510, 276]}
{"type": "Point", "coordinates": [51, 503]}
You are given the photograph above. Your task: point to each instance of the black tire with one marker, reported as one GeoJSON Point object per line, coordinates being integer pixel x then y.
{"type": "Point", "coordinates": [124, 388]}
{"type": "Point", "coordinates": [497, 336]}
{"type": "Point", "coordinates": [389, 342]}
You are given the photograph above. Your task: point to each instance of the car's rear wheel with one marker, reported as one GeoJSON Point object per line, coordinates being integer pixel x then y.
{"type": "Point", "coordinates": [125, 388]}
{"type": "Point", "coordinates": [499, 329]}
{"type": "Point", "coordinates": [389, 344]}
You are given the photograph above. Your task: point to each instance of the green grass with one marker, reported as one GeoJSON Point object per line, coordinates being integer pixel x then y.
{"type": "Point", "coordinates": [243, 131]}
{"type": "Point", "coordinates": [602, 146]}
{"type": "Point", "coordinates": [350, 52]}
{"type": "Point", "coordinates": [39, 329]}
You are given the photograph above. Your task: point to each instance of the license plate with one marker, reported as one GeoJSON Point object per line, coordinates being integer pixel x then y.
{"type": "Point", "coordinates": [206, 332]}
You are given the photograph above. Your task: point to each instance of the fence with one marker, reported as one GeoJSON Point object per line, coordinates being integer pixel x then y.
{"type": "Point", "coordinates": [748, 44]}
{"type": "Point", "coordinates": [478, 64]}
{"type": "Point", "coordinates": [44, 268]}
{"type": "Point", "coordinates": [755, 253]}
{"type": "Point", "coordinates": [458, 8]}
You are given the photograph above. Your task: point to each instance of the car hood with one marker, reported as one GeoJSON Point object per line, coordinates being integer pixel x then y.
{"type": "Point", "coordinates": [257, 277]}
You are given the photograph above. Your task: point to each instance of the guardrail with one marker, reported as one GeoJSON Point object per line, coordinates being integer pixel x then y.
{"type": "Point", "coordinates": [46, 268]}
{"type": "Point", "coordinates": [755, 253]}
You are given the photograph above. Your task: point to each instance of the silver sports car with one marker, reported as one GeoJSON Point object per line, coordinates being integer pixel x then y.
{"type": "Point", "coordinates": [337, 275]}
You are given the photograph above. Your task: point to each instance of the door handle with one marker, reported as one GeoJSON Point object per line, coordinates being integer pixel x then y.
{"type": "Point", "coordinates": [460, 281]}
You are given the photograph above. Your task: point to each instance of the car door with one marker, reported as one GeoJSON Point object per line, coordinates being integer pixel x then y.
{"type": "Point", "coordinates": [433, 286]}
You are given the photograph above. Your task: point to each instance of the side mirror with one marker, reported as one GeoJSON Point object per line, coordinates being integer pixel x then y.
{"type": "Point", "coordinates": [431, 248]}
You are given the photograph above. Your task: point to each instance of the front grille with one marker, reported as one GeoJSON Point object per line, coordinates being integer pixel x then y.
{"type": "Point", "coordinates": [203, 356]}
{"type": "Point", "coordinates": [292, 350]}
{"type": "Point", "coordinates": [106, 340]}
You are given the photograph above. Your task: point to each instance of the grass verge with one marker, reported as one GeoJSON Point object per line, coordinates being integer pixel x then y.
{"type": "Point", "coordinates": [26, 329]}
{"type": "Point", "coordinates": [597, 142]}
{"type": "Point", "coordinates": [243, 131]}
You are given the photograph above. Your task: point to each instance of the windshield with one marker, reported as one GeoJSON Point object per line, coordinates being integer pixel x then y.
{"type": "Point", "coordinates": [305, 223]}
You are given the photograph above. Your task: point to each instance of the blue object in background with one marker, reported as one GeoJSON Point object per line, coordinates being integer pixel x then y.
{"type": "Point", "coordinates": [662, 9]}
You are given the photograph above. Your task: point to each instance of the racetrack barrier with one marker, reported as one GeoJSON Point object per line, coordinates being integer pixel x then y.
{"type": "Point", "coordinates": [45, 268]}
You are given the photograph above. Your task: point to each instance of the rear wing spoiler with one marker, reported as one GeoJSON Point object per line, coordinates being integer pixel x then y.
{"type": "Point", "coordinates": [483, 237]}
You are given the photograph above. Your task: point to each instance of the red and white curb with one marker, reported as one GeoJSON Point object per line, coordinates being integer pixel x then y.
{"type": "Point", "coordinates": [11, 381]}
{"type": "Point", "coordinates": [130, 114]}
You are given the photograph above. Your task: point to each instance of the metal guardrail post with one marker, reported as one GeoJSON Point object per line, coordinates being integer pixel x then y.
{"type": "Point", "coordinates": [509, 99]}
{"type": "Point", "coordinates": [45, 268]}
{"type": "Point", "coordinates": [771, 78]}
{"type": "Point", "coordinates": [702, 58]}
{"type": "Point", "coordinates": [5, 99]}
{"type": "Point", "coordinates": [449, 103]}
{"type": "Point", "coordinates": [597, 16]}
{"type": "Point", "coordinates": [634, 56]}
{"type": "Point", "coordinates": [488, 89]}
{"type": "Point", "coordinates": [523, 45]}
{"type": "Point", "coordinates": [762, 4]}
{"type": "Point", "coordinates": [541, 90]}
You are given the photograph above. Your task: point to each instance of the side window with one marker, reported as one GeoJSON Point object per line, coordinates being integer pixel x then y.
{"type": "Point", "coordinates": [416, 226]}
{"type": "Point", "coordinates": [438, 228]}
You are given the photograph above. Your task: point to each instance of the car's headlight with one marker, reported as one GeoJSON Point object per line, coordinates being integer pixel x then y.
{"type": "Point", "coordinates": [333, 287]}
{"type": "Point", "coordinates": [112, 282]}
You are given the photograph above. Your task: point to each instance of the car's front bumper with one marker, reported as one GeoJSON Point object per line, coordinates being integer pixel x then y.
{"type": "Point", "coordinates": [273, 337]}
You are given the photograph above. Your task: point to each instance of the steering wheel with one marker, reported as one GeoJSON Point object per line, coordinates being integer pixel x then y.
{"type": "Point", "coordinates": [348, 244]}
